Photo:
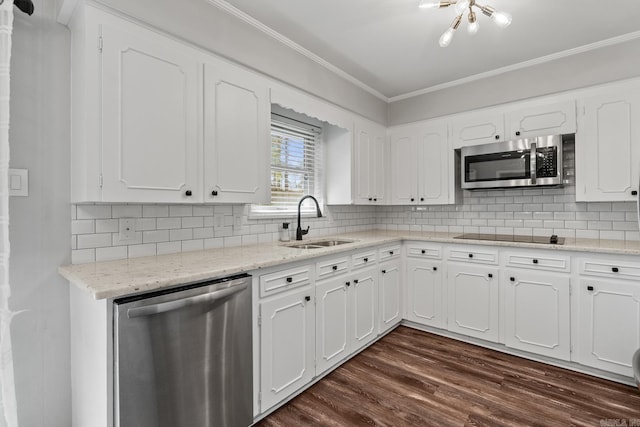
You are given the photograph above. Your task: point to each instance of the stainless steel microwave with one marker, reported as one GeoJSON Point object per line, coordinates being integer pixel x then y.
{"type": "Point", "coordinates": [519, 163]}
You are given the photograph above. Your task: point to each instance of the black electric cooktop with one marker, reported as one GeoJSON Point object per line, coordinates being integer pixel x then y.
{"type": "Point", "coordinates": [548, 240]}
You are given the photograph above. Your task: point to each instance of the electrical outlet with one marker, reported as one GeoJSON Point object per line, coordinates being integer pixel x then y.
{"type": "Point", "coordinates": [127, 228]}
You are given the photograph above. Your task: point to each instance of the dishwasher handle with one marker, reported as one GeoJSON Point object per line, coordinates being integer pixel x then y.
{"type": "Point", "coordinates": [235, 287]}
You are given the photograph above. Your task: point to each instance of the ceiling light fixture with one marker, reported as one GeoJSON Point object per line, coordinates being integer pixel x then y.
{"type": "Point", "coordinates": [501, 19]}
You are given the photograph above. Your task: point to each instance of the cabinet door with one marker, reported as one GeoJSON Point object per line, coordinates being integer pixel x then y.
{"type": "Point", "coordinates": [390, 295]}
{"type": "Point", "coordinates": [287, 342]}
{"type": "Point", "coordinates": [609, 324]}
{"type": "Point", "coordinates": [424, 292]}
{"type": "Point", "coordinates": [237, 135]}
{"type": "Point", "coordinates": [536, 308]}
{"type": "Point", "coordinates": [364, 308]}
{"type": "Point", "coordinates": [332, 323]}
{"type": "Point", "coordinates": [473, 301]}
{"type": "Point", "coordinates": [478, 129]}
{"type": "Point", "coordinates": [379, 167]}
{"type": "Point", "coordinates": [364, 148]}
{"type": "Point", "coordinates": [150, 144]}
{"type": "Point", "coordinates": [433, 166]}
{"type": "Point", "coordinates": [404, 168]}
{"type": "Point", "coordinates": [607, 148]}
{"type": "Point", "coordinates": [554, 119]}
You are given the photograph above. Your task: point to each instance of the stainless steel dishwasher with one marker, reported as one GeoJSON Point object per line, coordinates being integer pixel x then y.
{"type": "Point", "coordinates": [183, 356]}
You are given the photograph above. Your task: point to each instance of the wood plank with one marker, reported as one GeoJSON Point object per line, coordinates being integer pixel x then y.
{"type": "Point", "coordinates": [411, 378]}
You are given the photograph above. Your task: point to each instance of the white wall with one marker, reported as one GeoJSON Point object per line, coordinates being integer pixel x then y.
{"type": "Point", "coordinates": [207, 26]}
{"type": "Point", "coordinates": [590, 68]}
{"type": "Point", "coordinates": [39, 224]}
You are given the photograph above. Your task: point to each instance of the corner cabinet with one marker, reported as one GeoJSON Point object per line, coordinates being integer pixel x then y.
{"type": "Point", "coordinates": [421, 165]}
{"type": "Point", "coordinates": [138, 119]}
{"type": "Point", "coordinates": [236, 135]}
{"type": "Point", "coordinates": [607, 147]}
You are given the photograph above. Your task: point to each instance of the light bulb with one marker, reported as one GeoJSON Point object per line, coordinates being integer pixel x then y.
{"type": "Point", "coordinates": [446, 37]}
{"type": "Point", "coordinates": [502, 19]}
{"type": "Point", "coordinates": [429, 4]}
{"type": "Point", "coordinates": [472, 28]}
{"type": "Point", "coordinates": [461, 6]}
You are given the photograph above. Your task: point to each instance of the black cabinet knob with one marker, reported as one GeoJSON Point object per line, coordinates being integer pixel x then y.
{"type": "Point", "coordinates": [375, 200]}
{"type": "Point", "coordinates": [370, 198]}
{"type": "Point", "coordinates": [470, 255]}
{"type": "Point", "coordinates": [497, 137]}
{"type": "Point", "coordinates": [413, 200]}
{"type": "Point", "coordinates": [214, 193]}
{"type": "Point", "coordinates": [423, 251]}
{"type": "Point", "coordinates": [535, 261]}
{"type": "Point", "coordinates": [335, 267]}
{"type": "Point", "coordinates": [590, 288]}
{"type": "Point", "coordinates": [634, 192]}
{"type": "Point", "coordinates": [513, 279]}
{"type": "Point", "coordinates": [518, 133]}
{"type": "Point", "coordinates": [307, 298]}
{"type": "Point", "coordinates": [615, 269]}
{"type": "Point", "coordinates": [355, 280]}
{"type": "Point", "coordinates": [365, 259]}
{"type": "Point", "coordinates": [422, 199]}
{"type": "Point", "coordinates": [435, 268]}
{"type": "Point", "coordinates": [390, 252]}
{"type": "Point", "coordinates": [384, 271]}
{"type": "Point", "coordinates": [188, 193]}
{"type": "Point", "coordinates": [348, 284]}
{"type": "Point", "coordinates": [490, 275]}
{"type": "Point", "coordinates": [289, 279]}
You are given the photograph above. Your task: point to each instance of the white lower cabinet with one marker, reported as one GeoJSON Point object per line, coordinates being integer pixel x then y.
{"type": "Point", "coordinates": [287, 344]}
{"type": "Point", "coordinates": [390, 295]}
{"type": "Point", "coordinates": [364, 308]}
{"type": "Point", "coordinates": [537, 312]}
{"type": "Point", "coordinates": [424, 292]}
{"type": "Point", "coordinates": [472, 298]}
{"type": "Point", "coordinates": [332, 322]}
{"type": "Point", "coordinates": [609, 322]}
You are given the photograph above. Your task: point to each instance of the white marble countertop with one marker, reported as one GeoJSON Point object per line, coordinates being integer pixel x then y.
{"type": "Point", "coordinates": [112, 279]}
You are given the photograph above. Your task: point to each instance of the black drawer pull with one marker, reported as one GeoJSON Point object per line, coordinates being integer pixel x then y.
{"type": "Point", "coordinates": [497, 136]}
{"type": "Point", "coordinates": [355, 280]}
{"type": "Point", "coordinates": [335, 267]}
{"type": "Point", "coordinates": [470, 255]}
{"type": "Point", "coordinates": [435, 268]}
{"type": "Point", "coordinates": [518, 133]}
{"type": "Point", "coordinates": [513, 279]}
{"type": "Point", "coordinates": [365, 259]}
{"type": "Point", "coordinates": [384, 271]}
{"type": "Point", "coordinates": [423, 252]}
{"type": "Point", "coordinates": [490, 275]}
{"type": "Point", "coordinates": [188, 193]}
{"type": "Point", "coordinates": [375, 200]}
{"type": "Point", "coordinates": [289, 279]}
{"type": "Point", "coordinates": [634, 192]}
{"type": "Point", "coordinates": [535, 261]}
{"type": "Point", "coordinates": [307, 298]}
{"type": "Point", "coordinates": [590, 288]}
{"type": "Point", "coordinates": [615, 269]}
{"type": "Point", "coordinates": [390, 252]}
{"type": "Point", "coordinates": [412, 199]}
{"type": "Point", "coordinates": [348, 284]}
{"type": "Point", "coordinates": [214, 193]}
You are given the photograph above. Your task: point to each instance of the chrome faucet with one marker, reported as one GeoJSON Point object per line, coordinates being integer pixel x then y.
{"type": "Point", "coordinates": [299, 231]}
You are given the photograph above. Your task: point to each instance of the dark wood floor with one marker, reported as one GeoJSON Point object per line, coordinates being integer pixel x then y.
{"type": "Point", "coordinates": [413, 378]}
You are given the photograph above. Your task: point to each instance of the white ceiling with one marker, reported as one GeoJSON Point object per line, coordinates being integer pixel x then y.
{"type": "Point", "coordinates": [391, 46]}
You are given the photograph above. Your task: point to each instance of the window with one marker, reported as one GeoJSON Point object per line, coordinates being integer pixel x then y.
{"type": "Point", "coordinates": [295, 166]}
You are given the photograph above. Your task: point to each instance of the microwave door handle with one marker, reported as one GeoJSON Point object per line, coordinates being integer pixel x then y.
{"type": "Point", "coordinates": [532, 162]}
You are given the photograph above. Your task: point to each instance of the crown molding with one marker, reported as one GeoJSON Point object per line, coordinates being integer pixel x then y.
{"type": "Point", "coordinates": [232, 10]}
{"type": "Point", "coordinates": [541, 60]}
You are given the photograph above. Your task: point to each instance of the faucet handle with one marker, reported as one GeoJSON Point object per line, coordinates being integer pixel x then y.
{"type": "Point", "coordinates": [305, 231]}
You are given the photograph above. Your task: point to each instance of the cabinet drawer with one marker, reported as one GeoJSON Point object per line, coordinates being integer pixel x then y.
{"type": "Point", "coordinates": [389, 252]}
{"type": "Point", "coordinates": [540, 262]}
{"type": "Point", "coordinates": [331, 267]}
{"type": "Point", "coordinates": [363, 259]}
{"type": "Point", "coordinates": [610, 269]}
{"type": "Point", "coordinates": [420, 250]}
{"type": "Point", "coordinates": [285, 279]}
{"type": "Point", "coordinates": [469, 254]}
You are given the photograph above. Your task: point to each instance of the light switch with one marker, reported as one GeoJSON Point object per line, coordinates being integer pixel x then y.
{"type": "Point", "coordinates": [19, 182]}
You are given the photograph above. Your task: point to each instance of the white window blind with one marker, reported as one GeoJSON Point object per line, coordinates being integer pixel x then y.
{"type": "Point", "coordinates": [295, 165]}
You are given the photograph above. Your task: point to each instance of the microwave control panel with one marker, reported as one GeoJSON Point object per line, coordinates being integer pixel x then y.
{"type": "Point", "coordinates": [546, 164]}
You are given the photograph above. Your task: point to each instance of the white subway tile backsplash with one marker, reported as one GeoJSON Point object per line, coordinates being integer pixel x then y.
{"type": "Point", "coordinates": [93, 211]}
{"type": "Point", "coordinates": [106, 225]}
{"type": "Point", "coordinates": [168, 223]}
{"type": "Point", "coordinates": [137, 251]}
{"type": "Point", "coordinates": [155, 236]}
{"type": "Point", "coordinates": [83, 256]}
{"type": "Point", "coordinates": [193, 222]}
{"type": "Point", "coordinates": [168, 247]}
{"type": "Point", "coordinates": [116, 241]}
{"type": "Point", "coordinates": [181, 210]}
{"type": "Point", "coordinates": [181, 234]}
{"type": "Point", "coordinates": [111, 253]}
{"type": "Point", "coordinates": [192, 245]}
{"type": "Point", "coordinates": [83, 226]}
{"type": "Point", "coordinates": [86, 241]}
{"type": "Point", "coordinates": [143, 224]}
{"type": "Point", "coordinates": [153, 211]}
{"type": "Point", "coordinates": [126, 211]}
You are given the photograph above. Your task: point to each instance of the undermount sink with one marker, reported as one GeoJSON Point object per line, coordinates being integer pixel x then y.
{"type": "Point", "coordinates": [319, 244]}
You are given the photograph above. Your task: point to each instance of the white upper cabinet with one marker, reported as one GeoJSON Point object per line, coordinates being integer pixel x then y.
{"type": "Point", "coordinates": [135, 128]}
{"type": "Point", "coordinates": [236, 132]}
{"type": "Point", "coordinates": [477, 128]}
{"type": "Point", "coordinates": [539, 120]}
{"type": "Point", "coordinates": [421, 164]}
{"type": "Point", "coordinates": [608, 145]}
{"type": "Point", "coordinates": [369, 163]}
